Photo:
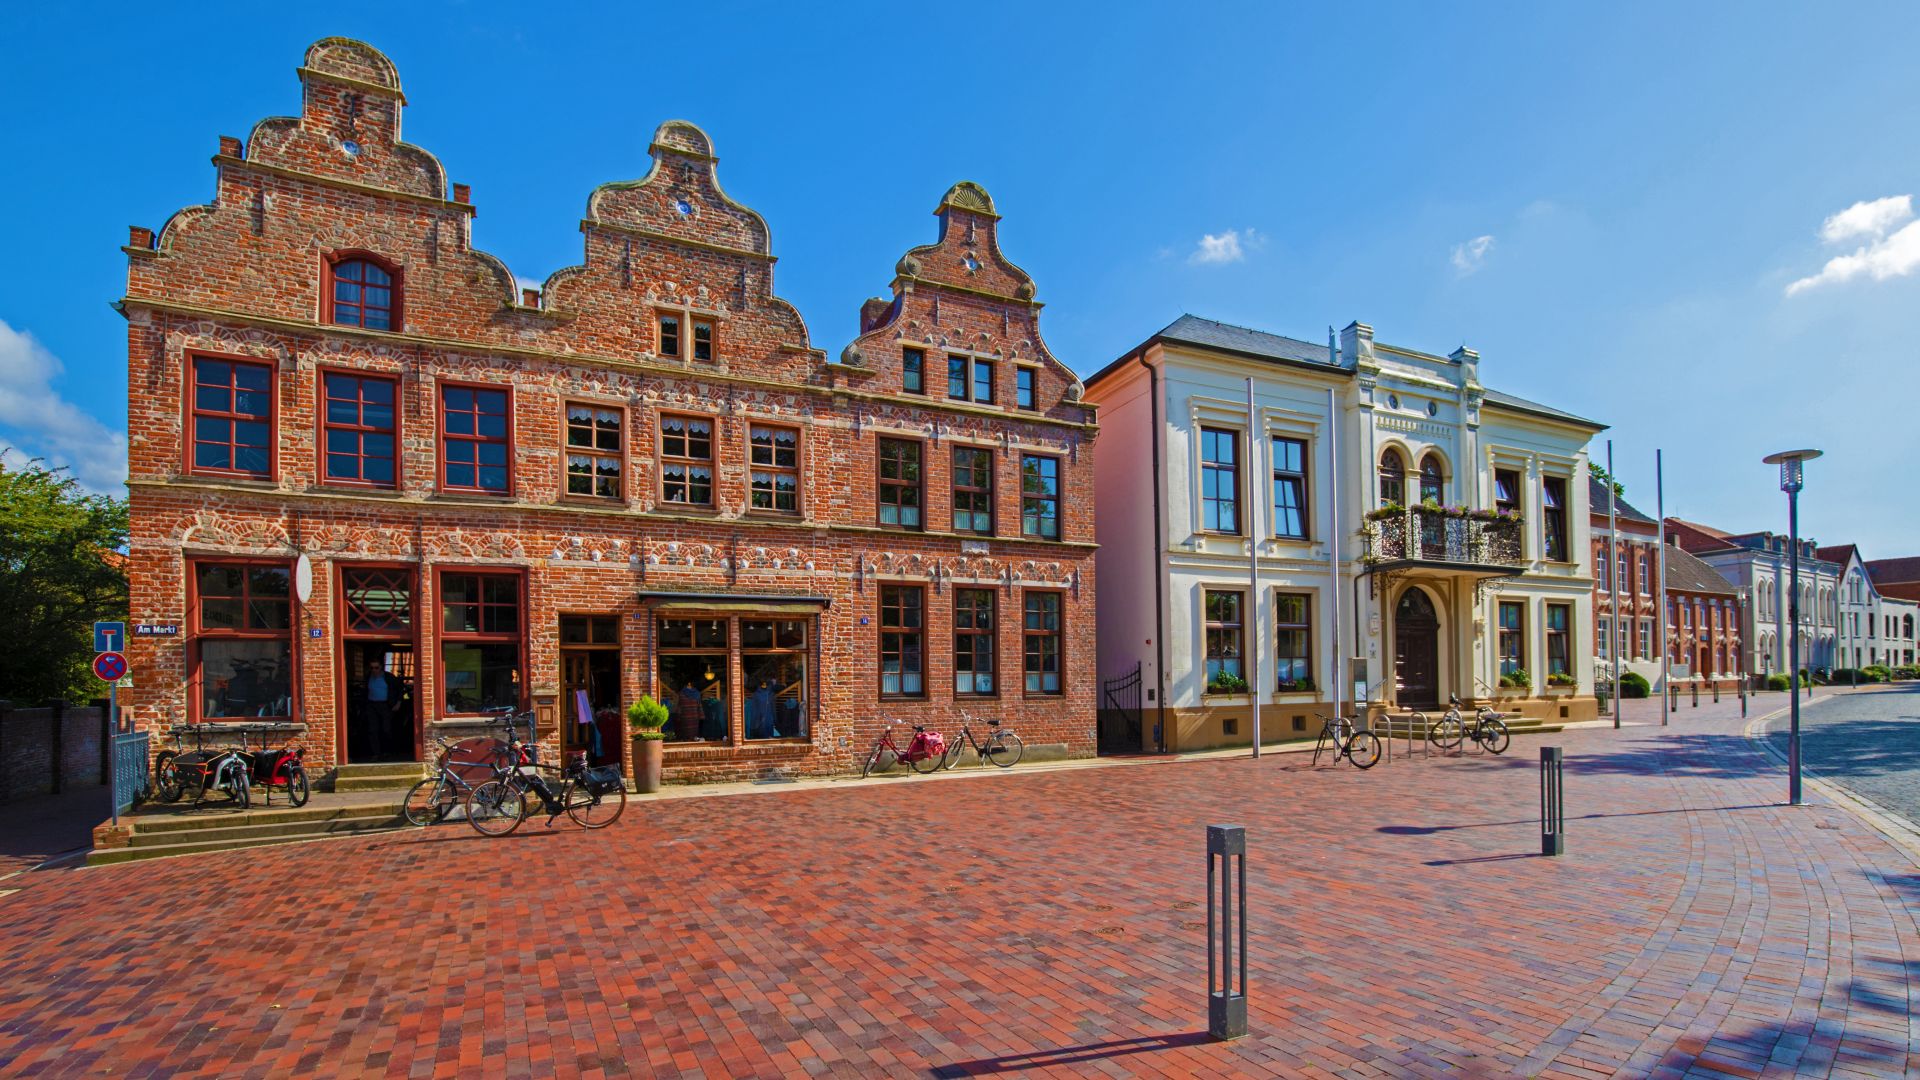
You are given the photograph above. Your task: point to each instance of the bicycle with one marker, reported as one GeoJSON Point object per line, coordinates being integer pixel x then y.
{"type": "Point", "coordinates": [924, 752]}
{"type": "Point", "coordinates": [1487, 729]}
{"type": "Point", "coordinates": [285, 767]}
{"type": "Point", "coordinates": [1001, 747]}
{"type": "Point", "coordinates": [1360, 746]}
{"type": "Point", "coordinates": [204, 771]}
{"type": "Point", "coordinates": [593, 798]}
{"type": "Point", "coordinates": [431, 800]}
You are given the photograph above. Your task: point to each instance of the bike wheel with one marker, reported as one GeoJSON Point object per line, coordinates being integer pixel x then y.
{"type": "Point", "coordinates": [496, 808]}
{"type": "Point", "coordinates": [297, 790]}
{"type": "Point", "coordinates": [1494, 736]}
{"type": "Point", "coordinates": [873, 763]}
{"type": "Point", "coordinates": [955, 751]}
{"type": "Point", "coordinates": [1446, 733]}
{"type": "Point", "coordinates": [1005, 749]}
{"type": "Point", "coordinates": [166, 777]}
{"type": "Point", "coordinates": [927, 763]}
{"type": "Point", "coordinates": [242, 790]}
{"type": "Point", "coordinates": [427, 802]}
{"type": "Point", "coordinates": [591, 811]}
{"type": "Point", "coordinates": [1363, 749]}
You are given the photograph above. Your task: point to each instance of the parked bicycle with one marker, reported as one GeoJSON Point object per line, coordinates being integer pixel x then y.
{"type": "Point", "coordinates": [1001, 747]}
{"type": "Point", "coordinates": [593, 797]}
{"type": "Point", "coordinates": [282, 768]}
{"type": "Point", "coordinates": [202, 771]}
{"type": "Point", "coordinates": [1486, 728]}
{"type": "Point", "coordinates": [431, 800]}
{"type": "Point", "coordinates": [1358, 745]}
{"type": "Point", "coordinates": [924, 753]}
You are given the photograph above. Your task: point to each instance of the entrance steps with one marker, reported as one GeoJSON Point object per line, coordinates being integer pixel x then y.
{"type": "Point", "coordinates": [155, 835]}
{"type": "Point", "coordinates": [380, 776]}
{"type": "Point", "coordinates": [1403, 725]}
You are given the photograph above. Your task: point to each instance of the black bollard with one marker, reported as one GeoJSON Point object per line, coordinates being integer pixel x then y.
{"type": "Point", "coordinates": [1553, 803]}
{"type": "Point", "coordinates": [1226, 1005]}
{"type": "Point", "coordinates": [1696, 693]}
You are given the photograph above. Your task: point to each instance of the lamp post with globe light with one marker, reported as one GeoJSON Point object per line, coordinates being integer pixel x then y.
{"type": "Point", "coordinates": [1790, 482]}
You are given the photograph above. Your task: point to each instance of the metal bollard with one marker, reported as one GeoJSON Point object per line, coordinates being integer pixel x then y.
{"type": "Point", "coordinates": [1553, 803]}
{"type": "Point", "coordinates": [1696, 693]}
{"type": "Point", "coordinates": [1716, 691]}
{"type": "Point", "coordinates": [1226, 1006]}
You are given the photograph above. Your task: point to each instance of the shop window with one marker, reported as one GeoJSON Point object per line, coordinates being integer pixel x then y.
{"type": "Point", "coordinates": [475, 440]}
{"type": "Point", "coordinates": [902, 640]}
{"type": "Point", "coordinates": [686, 460]}
{"type": "Point", "coordinates": [1289, 488]}
{"type": "Point", "coordinates": [1219, 480]}
{"type": "Point", "coordinates": [1293, 626]}
{"type": "Point", "coordinates": [773, 659]}
{"type": "Point", "coordinates": [1040, 496]}
{"type": "Point", "coordinates": [584, 630]}
{"type": "Point", "coordinates": [242, 641]}
{"type": "Point", "coordinates": [773, 454]}
{"type": "Point", "coordinates": [359, 428]}
{"type": "Point", "coordinates": [972, 490]}
{"type": "Point", "coordinates": [900, 483]}
{"type": "Point", "coordinates": [480, 658]}
{"type": "Point", "coordinates": [693, 661]}
{"type": "Point", "coordinates": [363, 293]}
{"type": "Point", "coordinates": [975, 637]}
{"type": "Point", "coordinates": [1043, 660]}
{"type": "Point", "coordinates": [595, 454]}
{"type": "Point", "coordinates": [232, 418]}
{"type": "Point", "coordinates": [1224, 627]}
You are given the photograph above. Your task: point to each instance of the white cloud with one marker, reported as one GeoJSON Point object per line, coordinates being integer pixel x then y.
{"type": "Point", "coordinates": [1227, 247]}
{"type": "Point", "coordinates": [38, 421]}
{"type": "Point", "coordinates": [1471, 255]}
{"type": "Point", "coordinates": [1886, 253]}
{"type": "Point", "coordinates": [1870, 219]}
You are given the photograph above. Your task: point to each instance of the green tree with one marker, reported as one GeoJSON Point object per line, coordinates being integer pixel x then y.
{"type": "Point", "coordinates": [61, 568]}
{"type": "Point", "coordinates": [1601, 474]}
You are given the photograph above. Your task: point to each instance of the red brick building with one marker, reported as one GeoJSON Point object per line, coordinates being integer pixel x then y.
{"type": "Point", "coordinates": [1634, 564]}
{"type": "Point", "coordinates": [641, 477]}
{"type": "Point", "coordinates": [1703, 622]}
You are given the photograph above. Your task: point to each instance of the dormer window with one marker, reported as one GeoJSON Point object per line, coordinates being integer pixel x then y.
{"type": "Point", "coordinates": [363, 292]}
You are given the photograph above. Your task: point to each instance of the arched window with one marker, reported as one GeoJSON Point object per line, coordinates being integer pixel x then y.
{"type": "Point", "coordinates": [1393, 478]}
{"type": "Point", "coordinates": [363, 292]}
{"type": "Point", "coordinates": [1433, 479]}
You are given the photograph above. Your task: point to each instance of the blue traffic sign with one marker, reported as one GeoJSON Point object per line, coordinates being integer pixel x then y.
{"type": "Point", "coordinates": [109, 636]}
{"type": "Point", "coordinates": [109, 667]}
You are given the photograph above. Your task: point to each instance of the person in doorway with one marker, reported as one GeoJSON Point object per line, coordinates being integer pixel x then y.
{"type": "Point", "coordinates": [379, 706]}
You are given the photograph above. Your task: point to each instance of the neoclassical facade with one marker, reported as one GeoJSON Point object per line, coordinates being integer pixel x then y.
{"type": "Point", "coordinates": [640, 477]}
{"type": "Point", "coordinates": [1371, 503]}
{"type": "Point", "coordinates": [1759, 566]}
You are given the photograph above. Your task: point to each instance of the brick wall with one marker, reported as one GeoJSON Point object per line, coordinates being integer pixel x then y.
{"type": "Point", "coordinates": [245, 277]}
{"type": "Point", "coordinates": [31, 740]}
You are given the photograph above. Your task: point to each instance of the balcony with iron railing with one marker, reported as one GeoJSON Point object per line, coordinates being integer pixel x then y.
{"type": "Point", "coordinates": [1474, 541]}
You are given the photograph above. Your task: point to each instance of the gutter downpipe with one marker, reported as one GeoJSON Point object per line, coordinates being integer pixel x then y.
{"type": "Point", "coordinates": [1159, 562]}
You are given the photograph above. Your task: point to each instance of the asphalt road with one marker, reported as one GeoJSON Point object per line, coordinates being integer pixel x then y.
{"type": "Point", "coordinates": [1867, 742]}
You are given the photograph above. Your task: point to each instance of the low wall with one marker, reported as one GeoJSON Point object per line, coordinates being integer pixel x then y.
{"type": "Point", "coordinates": [49, 749]}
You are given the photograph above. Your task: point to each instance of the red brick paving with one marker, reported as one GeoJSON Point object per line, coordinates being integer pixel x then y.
{"type": "Point", "coordinates": [1038, 923]}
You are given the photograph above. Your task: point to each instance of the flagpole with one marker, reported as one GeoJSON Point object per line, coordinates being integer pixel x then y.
{"type": "Point", "coordinates": [1613, 579]}
{"type": "Point", "coordinates": [1253, 620]}
{"type": "Point", "coordinates": [1333, 548]}
{"type": "Point", "coordinates": [1666, 653]}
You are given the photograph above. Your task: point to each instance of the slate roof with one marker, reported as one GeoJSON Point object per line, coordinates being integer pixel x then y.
{"type": "Point", "coordinates": [1894, 571]}
{"type": "Point", "coordinates": [1597, 503]}
{"type": "Point", "coordinates": [1688, 574]}
{"type": "Point", "coordinates": [1520, 404]}
{"type": "Point", "coordinates": [1836, 553]}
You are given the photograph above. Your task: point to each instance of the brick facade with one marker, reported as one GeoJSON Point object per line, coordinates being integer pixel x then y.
{"type": "Point", "coordinates": [252, 277]}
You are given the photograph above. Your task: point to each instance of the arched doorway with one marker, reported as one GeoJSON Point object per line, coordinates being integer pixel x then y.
{"type": "Point", "coordinates": [1416, 651]}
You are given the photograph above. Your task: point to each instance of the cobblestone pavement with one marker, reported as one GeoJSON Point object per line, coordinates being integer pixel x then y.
{"type": "Point", "coordinates": [1867, 741]}
{"type": "Point", "coordinates": [1045, 923]}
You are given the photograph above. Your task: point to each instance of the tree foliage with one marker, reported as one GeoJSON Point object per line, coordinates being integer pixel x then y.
{"type": "Point", "coordinates": [61, 568]}
{"type": "Point", "coordinates": [1601, 474]}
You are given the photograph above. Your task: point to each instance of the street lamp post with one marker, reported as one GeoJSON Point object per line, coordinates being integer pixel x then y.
{"type": "Point", "coordinates": [1790, 482]}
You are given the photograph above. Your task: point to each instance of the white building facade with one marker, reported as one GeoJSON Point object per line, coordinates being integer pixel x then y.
{"type": "Point", "coordinates": [1759, 564]}
{"type": "Point", "coordinates": [1372, 504]}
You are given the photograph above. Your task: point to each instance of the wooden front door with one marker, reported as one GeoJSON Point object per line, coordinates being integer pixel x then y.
{"type": "Point", "coordinates": [1416, 652]}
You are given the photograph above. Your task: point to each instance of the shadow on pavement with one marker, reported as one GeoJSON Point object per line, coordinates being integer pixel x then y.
{"type": "Point", "coordinates": [1069, 1055]}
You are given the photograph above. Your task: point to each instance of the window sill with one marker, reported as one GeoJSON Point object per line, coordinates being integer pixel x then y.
{"type": "Point", "coordinates": [758, 514]}
{"type": "Point", "coordinates": [601, 501]}
{"type": "Point", "coordinates": [460, 495]}
{"type": "Point", "coordinates": [387, 491]}
{"type": "Point", "coordinates": [1210, 698]}
{"type": "Point", "coordinates": [251, 480]}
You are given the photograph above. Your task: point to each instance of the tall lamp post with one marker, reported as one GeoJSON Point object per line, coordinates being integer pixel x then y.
{"type": "Point", "coordinates": [1790, 482]}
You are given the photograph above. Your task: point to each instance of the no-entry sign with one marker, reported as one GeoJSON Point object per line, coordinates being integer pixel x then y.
{"type": "Point", "coordinates": [109, 666]}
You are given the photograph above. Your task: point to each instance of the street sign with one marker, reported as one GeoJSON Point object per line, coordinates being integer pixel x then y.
{"type": "Point", "coordinates": [109, 666]}
{"type": "Point", "coordinates": [109, 636]}
{"type": "Point", "coordinates": [155, 630]}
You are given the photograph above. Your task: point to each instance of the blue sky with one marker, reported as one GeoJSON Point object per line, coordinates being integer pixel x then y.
{"type": "Point", "coordinates": [1611, 204]}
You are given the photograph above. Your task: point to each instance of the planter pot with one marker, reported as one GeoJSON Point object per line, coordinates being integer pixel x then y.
{"type": "Point", "coordinates": [647, 754]}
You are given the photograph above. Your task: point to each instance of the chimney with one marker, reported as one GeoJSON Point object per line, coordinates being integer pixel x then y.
{"type": "Point", "coordinates": [462, 193]}
{"type": "Point", "coordinates": [530, 298]}
{"type": "Point", "coordinates": [139, 236]}
{"type": "Point", "coordinates": [1356, 343]}
{"type": "Point", "coordinates": [230, 147]}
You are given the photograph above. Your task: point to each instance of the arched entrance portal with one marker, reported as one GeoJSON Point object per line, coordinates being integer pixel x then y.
{"type": "Point", "coordinates": [1416, 651]}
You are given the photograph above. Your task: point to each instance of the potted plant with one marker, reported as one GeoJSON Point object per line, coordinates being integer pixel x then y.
{"type": "Point", "coordinates": [1226, 682]}
{"type": "Point", "coordinates": [1562, 680]}
{"type": "Point", "coordinates": [648, 717]}
{"type": "Point", "coordinates": [1517, 679]}
{"type": "Point", "coordinates": [1301, 685]}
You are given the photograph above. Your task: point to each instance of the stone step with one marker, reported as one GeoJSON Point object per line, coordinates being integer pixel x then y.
{"type": "Point", "coordinates": [216, 819]}
{"type": "Point", "coordinates": [250, 831]}
{"type": "Point", "coordinates": [376, 783]}
{"type": "Point", "coordinates": [106, 856]}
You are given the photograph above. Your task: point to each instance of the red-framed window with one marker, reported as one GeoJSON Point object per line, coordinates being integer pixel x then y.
{"type": "Point", "coordinates": [975, 643]}
{"type": "Point", "coordinates": [231, 418]}
{"type": "Point", "coordinates": [596, 450]}
{"type": "Point", "coordinates": [481, 647]}
{"type": "Point", "coordinates": [903, 633]}
{"type": "Point", "coordinates": [476, 439]}
{"type": "Point", "coordinates": [1040, 496]}
{"type": "Point", "coordinates": [686, 460]}
{"type": "Point", "coordinates": [359, 429]}
{"type": "Point", "coordinates": [973, 490]}
{"type": "Point", "coordinates": [1044, 659]}
{"type": "Point", "coordinates": [773, 459]}
{"type": "Point", "coordinates": [363, 291]}
{"type": "Point", "coordinates": [900, 483]}
{"type": "Point", "coordinates": [241, 640]}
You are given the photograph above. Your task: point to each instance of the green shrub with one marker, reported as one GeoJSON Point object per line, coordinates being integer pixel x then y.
{"type": "Point", "coordinates": [1907, 671]}
{"type": "Point", "coordinates": [1562, 678]}
{"type": "Point", "coordinates": [1517, 679]}
{"type": "Point", "coordinates": [1877, 672]}
{"type": "Point", "coordinates": [1226, 683]}
{"type": "Point", "coordinates": [1779, 682]}
{"type": "Point", "coordinates": [648, 718]}
{"type": "Point", "coordinates": [1634, 685]}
